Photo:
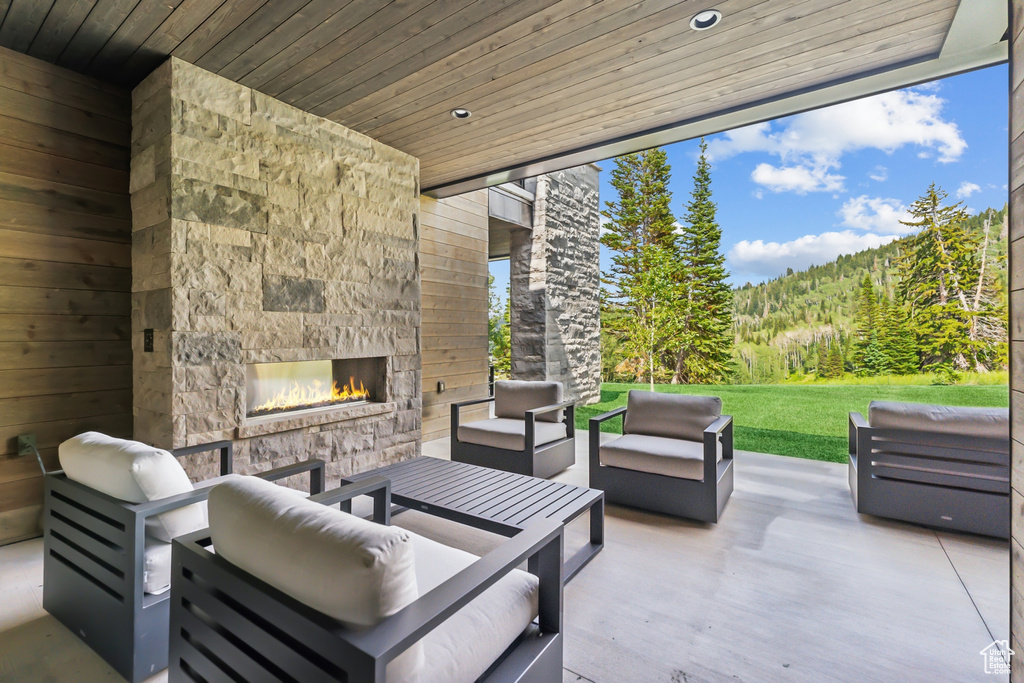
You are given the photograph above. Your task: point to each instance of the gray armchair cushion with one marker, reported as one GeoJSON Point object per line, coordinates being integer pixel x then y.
{"type": "Point", "coordinates": [509, 434]}
{"type": "Point", "coordinates": [512, 398]}
{"type": "Point", "coordinates": [978, 422]}
{"type": "Point", "coordinates": [657, 455]}
{"type": "Point", "coordinates": [672, 416]}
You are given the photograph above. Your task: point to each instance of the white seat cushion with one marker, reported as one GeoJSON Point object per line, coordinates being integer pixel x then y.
{"type": "Point", "coordinates": [503, 432]}
{"type": "Point", "coordinates": [462, 648]}
{"type": "Point", "coordinates": [133, 472]}
{"type": "Point", "coordinates": [156, 574]}
{"type": "Point", "coordinates": [346, 567]}
{"type": "Point", "coordinates": [657, 455]}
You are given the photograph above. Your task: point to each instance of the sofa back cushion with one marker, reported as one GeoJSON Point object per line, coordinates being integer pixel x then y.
{"type": "Point", "coordinates": [133, 472]}
{"type": "Point", "coordinates": [348, 568]}
{"type": "Point", "coordinates": [512, 398]}
{"type": "Point", "coordinates": [672, 416]}
{"type": "Point", "coordinates": [977, 422]}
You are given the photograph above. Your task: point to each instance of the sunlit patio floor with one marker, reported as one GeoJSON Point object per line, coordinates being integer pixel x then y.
{"type": "Point", "coordinates": [791, 585]}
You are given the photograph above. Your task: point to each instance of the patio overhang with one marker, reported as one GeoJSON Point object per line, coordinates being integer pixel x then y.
{"type": "Point", "coordinates": [549, 84]}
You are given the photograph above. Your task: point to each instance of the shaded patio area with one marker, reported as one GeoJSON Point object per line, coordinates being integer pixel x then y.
{"type": "Point", "coordinates": [791, 585]}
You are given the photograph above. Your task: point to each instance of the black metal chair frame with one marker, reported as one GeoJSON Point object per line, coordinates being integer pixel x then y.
{"type": "Point", "coordinates": [228, 625]}
{"type": "Point", "coordinates": [700, 499]}
{"type": "Point", "coordinates": [944, 481]}
{"type": "Point", "coordinates": [544, 460]}
{"type": "Point", "coordinates": [93, 564]}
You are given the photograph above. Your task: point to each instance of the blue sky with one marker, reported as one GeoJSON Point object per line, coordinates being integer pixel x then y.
{"type": "Point", "coordinates": [801, 190]}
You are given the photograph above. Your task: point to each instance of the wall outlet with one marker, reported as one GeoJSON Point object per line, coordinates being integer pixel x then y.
{"type": "Point", "coordinates": [147, 340]}
{"type": "Point", "coordinates": [440, 387]}
{"type": "Point", "coordinates": [26, 444]}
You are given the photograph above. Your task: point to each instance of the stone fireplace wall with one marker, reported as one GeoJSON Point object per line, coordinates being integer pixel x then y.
{"type": "Point", "coordinates": [262, 233]}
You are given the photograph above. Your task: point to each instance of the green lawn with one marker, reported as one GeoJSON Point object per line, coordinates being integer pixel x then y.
{"type": "Point", "coordinates": [803, 421]}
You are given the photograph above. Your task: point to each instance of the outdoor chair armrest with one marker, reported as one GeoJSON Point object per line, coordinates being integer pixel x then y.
{"type": "Point", "coordinates": [570, 416]}
{"type": "Point", "coordinates": [719, 425]}
{"type": "Point", "coordinates": [456, 407]}
{"type": "Point", "coordinates": [379, 488]}
{"type": "Point", "coordinates": [314, 466]}
{"type": "Point", "coordinates": [473, 402]}
{"type": "Point", "coordinates": [226, 448]}
{"type": "Point", "coordinates": [202, 488]}
{"type": "Point", "coordinates": [595, 435]}
{"type": "Point", "coordinates": [598, 419]}
{"type": "Point", "coordinates": [155, 507]}
{"type": "Point", "coordinates": [857, 422]}
{"type": "Point", "coordinates": [541, 540]}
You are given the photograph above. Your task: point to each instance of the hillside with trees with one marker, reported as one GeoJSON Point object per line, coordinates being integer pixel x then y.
{"type": "Point", "coordinates": [875, 312]}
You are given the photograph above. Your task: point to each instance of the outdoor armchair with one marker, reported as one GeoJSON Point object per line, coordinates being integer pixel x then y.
{"type": "Point", "coordinates": [107, 561]}
{"type": "Point", "coordinates": [941, 466]}
{"type": "Point", "coordinates": [533, 431]}
{"type": "Point", "coordinates": [420, 611]}
{"type": "Point", "coordinates": [675, 455]}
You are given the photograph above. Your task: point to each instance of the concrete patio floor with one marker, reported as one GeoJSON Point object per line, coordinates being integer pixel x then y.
{"type": "Point", "coordinates": [791, 585]}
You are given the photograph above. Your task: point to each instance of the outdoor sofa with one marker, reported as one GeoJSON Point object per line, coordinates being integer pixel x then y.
{"type": "Point", "coordinates": [674, 456]}
{"type": "Point", "coordinates": [109, 517]}
{"type": "Point", "coordinates": [941, 466]}
{"type": "Point", "coordinates": [532, 432]}
{"type": "Point", "coordinates": [369, 603]}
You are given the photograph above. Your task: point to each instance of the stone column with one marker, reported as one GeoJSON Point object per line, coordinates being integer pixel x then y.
{"type": "Point", "coordinates": [1016, 269]}
{"type": "Point", "coordinates": [555, 279]}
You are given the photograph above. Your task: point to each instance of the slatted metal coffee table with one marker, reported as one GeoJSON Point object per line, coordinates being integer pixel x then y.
{"type": "Point", "coordinates": [493, 500]}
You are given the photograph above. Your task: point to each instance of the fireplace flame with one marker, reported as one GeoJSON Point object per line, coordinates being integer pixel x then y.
{"type": "Point", "coordinates": [312, 394]}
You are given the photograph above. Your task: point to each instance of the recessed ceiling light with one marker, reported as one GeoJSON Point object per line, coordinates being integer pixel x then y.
{"type": "Point", "coordinates": [702, 21]}
{"type": "Point", "coordinates": [461, 113]}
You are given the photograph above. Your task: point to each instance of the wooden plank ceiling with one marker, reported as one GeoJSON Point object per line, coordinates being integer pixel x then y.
{"type": "Point", "coordinates": [542, 77]}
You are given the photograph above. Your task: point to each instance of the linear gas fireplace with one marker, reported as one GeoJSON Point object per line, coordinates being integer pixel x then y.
{"type": "Point", "coordinates": [273, 388]}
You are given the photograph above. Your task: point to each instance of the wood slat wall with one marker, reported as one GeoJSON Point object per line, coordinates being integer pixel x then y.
{"type": "Point", "coordinates": [1016, 268]}
{"type": "Point", "coordinates": [453, 267]}
{"type": "Point", "coordinates": [65, 271]}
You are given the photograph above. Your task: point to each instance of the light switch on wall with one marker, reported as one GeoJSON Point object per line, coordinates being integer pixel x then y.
{"type": "Point", "coordinates": [440, 387]}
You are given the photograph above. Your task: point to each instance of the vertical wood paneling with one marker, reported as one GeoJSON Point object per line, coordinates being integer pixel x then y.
{"type": "Point", "coordinates": [65, 277]}
{"type": "Point", "coordinates": [453, 267]}
{"type": "Point", "coordinates": [1016, 174]}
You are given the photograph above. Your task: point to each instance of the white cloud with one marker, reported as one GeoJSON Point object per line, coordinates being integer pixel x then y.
{"type": "Point", "coordinates": [768, 259]}
{"type": "Point", "coordinates": [966, 189]}
{"type": "Point", "coordinates": [875, 214]}
{"type": "Point", "coordinates": [880, 174]}
{"type": "Point", "coordinates": [816, 141]}
{"type": "Point", "coordinates": [799, 179]}
{"type": "Point", "coordinates": [604, 221]}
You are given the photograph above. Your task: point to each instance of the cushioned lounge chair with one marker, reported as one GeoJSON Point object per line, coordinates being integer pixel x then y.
{"type": "Point", "coordinates": [368, 603]}
{"type": "Point", "coordinates": [109, 517]}
{"type": "Point", "coordinates": [674, 455]}
{"type": "Point", "coordinates": [941, 466]}
{"type": "Point", "coordinates": [532, 431]}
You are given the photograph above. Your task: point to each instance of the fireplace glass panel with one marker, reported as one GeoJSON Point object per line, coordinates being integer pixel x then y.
{"type": "Point", "coordinates": [282, 387]}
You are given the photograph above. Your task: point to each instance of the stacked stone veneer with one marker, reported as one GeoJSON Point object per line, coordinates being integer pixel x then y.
{"type": "Point", "coordinates": [555, 277]}
{"type": "Point", "coordinates": [263, 233]}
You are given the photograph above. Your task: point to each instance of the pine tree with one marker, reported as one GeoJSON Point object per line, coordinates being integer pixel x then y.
{"type": "Point", "coordinates": [642, 216]}
{"type": "Point", "coordinates": [835, 364]}
{"type": "Point", "coordinates": [822, 365]}
{"type": "Point", "coordinates": [705, 350]}
{"type": "Point", "coordinates": [943, 279]}
{"type": "Point", "coordinates": [865, 324]}
{"type": "Point", "coordinates": [898, 342]}
{"type": "Point", "coordinates": [639, 230]}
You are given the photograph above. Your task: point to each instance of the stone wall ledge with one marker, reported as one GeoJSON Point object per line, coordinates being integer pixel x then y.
{"type": "Point", "coordinates": [283, 422]}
